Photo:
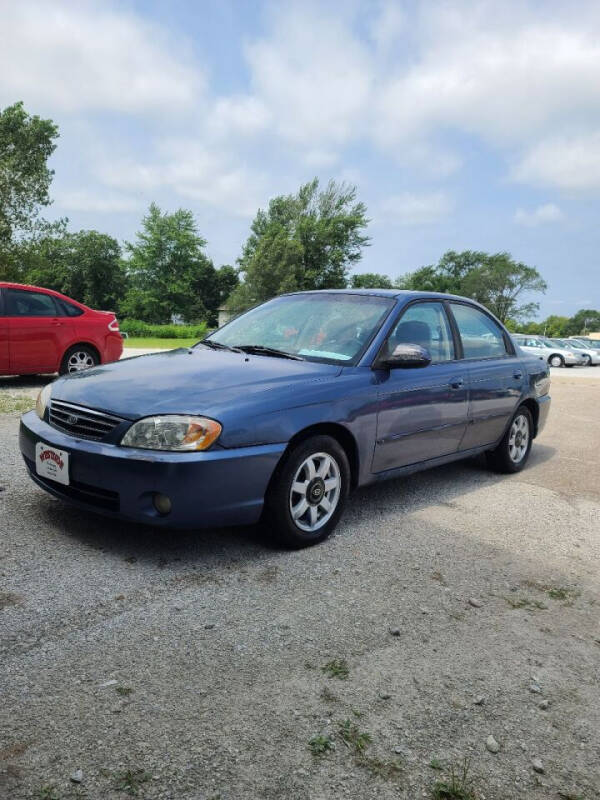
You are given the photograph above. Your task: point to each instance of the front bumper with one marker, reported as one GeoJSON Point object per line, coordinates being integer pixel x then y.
{"type": "Point", "coordinates": [211, 489]}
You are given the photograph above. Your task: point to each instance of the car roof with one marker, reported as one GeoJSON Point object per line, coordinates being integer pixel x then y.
{"type": "Point", "coordinates": [390, 293]}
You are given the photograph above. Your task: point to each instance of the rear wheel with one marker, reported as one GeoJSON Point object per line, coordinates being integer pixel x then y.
{"type": "Point", "coordinates": [78, 358]}
{"type": "Point", "coordinates": [308, 493]}
{"type": "Point", "coordinates": [512, 453]}
{"type": "Point", "coordinates": [588, 360]}
{"type": "Point", "coordinates": [556, 361]}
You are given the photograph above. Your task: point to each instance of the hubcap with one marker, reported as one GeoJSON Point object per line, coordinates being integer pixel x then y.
{"type": "Point", "coordinates": [518, 438]}
{"type": "Point", "coordinates": [80, 360]}
{"type": "Point", "coordinates": [315, 492]}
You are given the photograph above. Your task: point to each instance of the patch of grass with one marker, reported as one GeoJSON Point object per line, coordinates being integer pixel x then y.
{"type": "Point", "coordinates": [526, 602]}
{"type": "Point", "coordinates": [319, 745]}
{"type": "Point", "coordinates": [336, 668]}
{"type": "Point", "coordinates": [328, 696]}
{"type": "Point", "coordinates": [124, 691]}
{"type": "Point", "coordinates": [435, 763]}
{"type": "Point", "coordinates": [353, 737]}
{"type": "Point", "coordinates": [148, 342]}
{"type": "Point", "coordinates": [49, 792]}
{"type": "Point", "coordinates": [386, 770]}
{"type": "Point", "coordinates": [130, 780]}
{"type": "Point", "coordinates": [564, 593]}
{"type": "Point", "coordinates": [458, 786]}
{"type": "Point", "coordinates": [15, 404]}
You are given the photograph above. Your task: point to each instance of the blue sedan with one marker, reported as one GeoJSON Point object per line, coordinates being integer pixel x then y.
{"type": "Point", "coordinates": [279, 414]}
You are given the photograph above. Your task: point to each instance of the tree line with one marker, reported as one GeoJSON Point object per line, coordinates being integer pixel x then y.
{"type": "Point", "coordinates": [311, 239]}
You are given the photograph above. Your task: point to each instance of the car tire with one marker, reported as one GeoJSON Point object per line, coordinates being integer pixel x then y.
{"type": "Point", "coordinates": [556, 361]}
{"type": "Point", "coordinates": [588, 360]}
{"type": "Point", "coordinates": [78, 358]}
{"type": "Point", "coordinates": [308, 492]}
{"type": "Point", "coordinates": [512, 453]}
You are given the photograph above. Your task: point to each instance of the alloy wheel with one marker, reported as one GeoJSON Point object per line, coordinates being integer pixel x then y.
{"type": "Point", "coordinates": [518, 439]}
{"type": "Point", "coordinates": [315, 492]}
{"type": "Point", "coordinates": [79, 360]}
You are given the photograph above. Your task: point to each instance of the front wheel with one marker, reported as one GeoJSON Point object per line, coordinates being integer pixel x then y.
{"type": "Point", "coordinates": [512, 453]}
{"type": "Point", "coordinates": [78, 358]}
{"type": "Point", "coordinates": [308, 492]}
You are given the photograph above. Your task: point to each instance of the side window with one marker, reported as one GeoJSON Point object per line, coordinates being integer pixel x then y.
{"type": "Point", "coordinates": [481, 336]}
{"type": "Point", "coordinates": [21, 303]}
{"type": "Point", "coordinates": [425, 324]}
{"type": "Point", "coordinates": [69, 310]}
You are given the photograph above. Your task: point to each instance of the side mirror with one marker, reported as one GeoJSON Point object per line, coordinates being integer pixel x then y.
{"type": "Point", "coordinates": [405, 356]}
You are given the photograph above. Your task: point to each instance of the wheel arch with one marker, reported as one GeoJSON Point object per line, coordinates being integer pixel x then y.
{"type": "Point", "coordinates": [534, 409]}
{"type": "Point", "coordinates": [338, 432]}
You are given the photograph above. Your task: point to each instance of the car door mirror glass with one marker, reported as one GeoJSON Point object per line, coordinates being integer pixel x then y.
{"type": "Point", "coordinates": [405, 356]}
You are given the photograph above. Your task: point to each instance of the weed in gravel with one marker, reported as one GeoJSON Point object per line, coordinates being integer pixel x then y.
{"type": "Point", "coordinates": [563, 593]}
{"type": "Point", "coordinates": [570, 796]}
{"type": "Point", "coordinates": [526, 602]}
{"type": "Point", "coordinates": [386, 770]}
{"type": "Point", "coordinates": [124, 691]}
{"type": "Point", "coordinates": [9, 599]}
{"type": "Point", "coordinates": [268, 574]}
{"type": "Point", "coordinates": [15, 404]}
{"type": "Point", "coordinates": [319, 745]}
{"type": "Point", "coordinates": [337, 668]}
{"type": "Point", "coordinates": [47, 793]}
{"type": "Point", "coordinates": [436, 575]}
{"type": "Point", "coordinates": [328, 696]}
{"type": "Point", "coordinates": [130, 780]}
{"type": "Point", "coordinates": [458, 786]}
{"type": "Point", "coordinates": [353, 737]}
{"type": "Point", "coordinates": [435, 763]}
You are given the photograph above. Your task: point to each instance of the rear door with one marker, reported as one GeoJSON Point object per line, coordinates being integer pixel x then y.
{"type": "Point", "coordinates": [422, 412]}
{"type": "Point", "coordinates": [39, 331]}
{"type": "Point", "coordinates": [4, 362]}
{"type": "Point", "coordinates": [496, 375]}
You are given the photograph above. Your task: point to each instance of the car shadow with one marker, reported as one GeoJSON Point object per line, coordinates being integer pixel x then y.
{"type": "Point", "coordinates": [214, 546]}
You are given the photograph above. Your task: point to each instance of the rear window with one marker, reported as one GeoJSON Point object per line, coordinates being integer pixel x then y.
{"type": "Point", "coordinates": [481, 336]}
{"type": "Point", "coordinates": [70, 310]}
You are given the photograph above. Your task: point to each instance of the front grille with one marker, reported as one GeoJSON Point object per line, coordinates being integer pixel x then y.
{"type": "Point", "coordinates": [79, 421]}
{"type": "Point", "coordinates": [83, 492]}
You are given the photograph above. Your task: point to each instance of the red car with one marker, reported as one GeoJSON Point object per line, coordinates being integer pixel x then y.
{"type": "Point", "coordinates": [42, 331]}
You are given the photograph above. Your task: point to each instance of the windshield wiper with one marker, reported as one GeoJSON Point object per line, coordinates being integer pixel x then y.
{"type": "Point", "coordinates": [261, 350]}
{"type": "Point", "coordinates": [219, 346]}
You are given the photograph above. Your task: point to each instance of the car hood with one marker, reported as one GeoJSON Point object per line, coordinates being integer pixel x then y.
{"type": "Point", "coordinates": [199, 380]}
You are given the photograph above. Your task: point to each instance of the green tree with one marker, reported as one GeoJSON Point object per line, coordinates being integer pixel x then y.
{"type": "Point", "coordinates": [583, 322]}
{"type": "Point", "coordinates": [85, 265]}
{"type": "Point", "coordinates": [496, 280]}
{"type": "Point", "coordinates": [26, 144]}
{"type": "Point", "coordinates": [370, 280]}
{"type": "Point", "coordinates": [308, 240]}
{"type": "Point", "coordinates": [168, 270]}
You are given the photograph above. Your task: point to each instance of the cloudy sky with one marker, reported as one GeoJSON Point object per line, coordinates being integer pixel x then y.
{"type": "Point", "coordinates": [463, 124]}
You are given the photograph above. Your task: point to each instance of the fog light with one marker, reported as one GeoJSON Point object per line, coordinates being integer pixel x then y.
{"type": "Point", "coordinates": [162, 503]}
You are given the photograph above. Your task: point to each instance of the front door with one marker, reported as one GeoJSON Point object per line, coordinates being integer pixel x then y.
{"type": "Point", "coordinates": [4, 362]}
{"type": "Point", "coordinates": [38, 333]}
{"type": "Point", "coordinates": [422, 412]}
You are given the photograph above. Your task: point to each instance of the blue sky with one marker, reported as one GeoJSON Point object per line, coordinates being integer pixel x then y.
{"type": "Point", "coordinates": [463, 124]}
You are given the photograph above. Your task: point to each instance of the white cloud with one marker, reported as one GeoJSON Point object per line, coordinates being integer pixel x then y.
{"type": "Point", "coordinates": [238, 115]}
{"type": "Point", "coordinates": [313, 75]}
{"type": "Point", "coordinates": [191, 171]}
{"type": "Point", "coordinates": [417, 209]}
{"type": "Point", "coordinates": [549, 212]}
{"type": "Point", "coordinates": [567, 162]}
{"type": "Point", "coordinates": [80, 56]}
{"type": "Point", "coordinates": [96, 201]}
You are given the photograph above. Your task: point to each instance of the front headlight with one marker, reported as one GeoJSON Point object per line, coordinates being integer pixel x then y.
{"type": "Point", "coordinates": [172, 432]}
{"type": "Point", "coordinates": [42, 400]}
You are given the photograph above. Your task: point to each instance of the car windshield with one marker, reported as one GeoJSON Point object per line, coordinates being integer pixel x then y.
{"type": "Point", "coordinates": [318, 327]}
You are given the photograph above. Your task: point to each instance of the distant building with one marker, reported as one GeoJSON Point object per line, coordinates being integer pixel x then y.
{"type": "Point", "coordinates": [224, 315]}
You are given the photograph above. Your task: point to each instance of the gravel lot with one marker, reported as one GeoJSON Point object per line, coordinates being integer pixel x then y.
{"type": "Point", "coordinates": [189, 666]}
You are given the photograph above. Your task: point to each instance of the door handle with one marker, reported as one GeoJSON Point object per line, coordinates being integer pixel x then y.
{"type": "Point", "coordinates": [517, 375]}
{"type": "Point", "coordinates": [456, 383]}
{"type": "Point", "coordinates": [57, 323]}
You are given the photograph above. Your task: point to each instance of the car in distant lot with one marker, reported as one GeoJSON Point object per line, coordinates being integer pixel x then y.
{"type": "Point", "coordinates": [285, 409]}
{"type": "Point", "coordinates": [555, 356]}
{"type": "Point", "coordinates": [42, 331]}
{"type": "Point", "coordinates": [589, 344]}
{"type": "Point", "coordinates": [590, 357]}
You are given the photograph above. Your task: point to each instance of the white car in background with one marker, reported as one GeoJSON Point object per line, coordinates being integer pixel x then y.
{"type": "Point", "coordinates": [590, 356]}
{"type": "Point", "coordinates": [554, 355]}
